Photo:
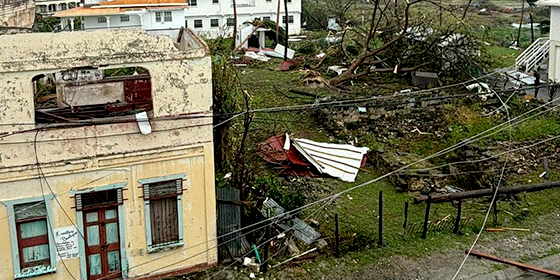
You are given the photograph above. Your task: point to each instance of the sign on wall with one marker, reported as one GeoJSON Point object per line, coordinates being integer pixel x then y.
{"type": "Point", "coordinates": [66, 239]}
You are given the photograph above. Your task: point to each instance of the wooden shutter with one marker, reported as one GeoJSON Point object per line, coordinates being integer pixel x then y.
{"type": "Point", "coordinates": [99, 199]}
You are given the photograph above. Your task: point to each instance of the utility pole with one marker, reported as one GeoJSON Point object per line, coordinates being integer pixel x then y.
{"type": "Point", "coordinates": [520, 22]}
{"type": "Point", "coordinates": [287, 23]}
{"type": "Point", "coordinates": [278, 23]}
{"type": "Point", "coordinates": [235, 24]}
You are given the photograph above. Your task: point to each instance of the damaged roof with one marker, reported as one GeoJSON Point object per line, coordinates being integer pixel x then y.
{"type": "Point", "coordinates": [39, 51]}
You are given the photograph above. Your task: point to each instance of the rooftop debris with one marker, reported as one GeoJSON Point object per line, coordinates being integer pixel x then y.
{"type": "Point", "coordinates": [302, 157]}
{"type": "Point", "coordinates": [302, 231]}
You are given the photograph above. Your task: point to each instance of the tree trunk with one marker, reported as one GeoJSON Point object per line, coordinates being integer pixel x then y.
{"type": "Point", "coordinates": [520, 21]}
{"type": "Point", "coordinates": [532, 29]}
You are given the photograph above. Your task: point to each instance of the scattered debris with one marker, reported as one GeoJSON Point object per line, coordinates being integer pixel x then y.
{"type": "Point", "coordinates": [302, 157]}
{"type": "Point", "coordinates": [337, 160]}
{"type": "Point", "coordinates": [424, 79]}
{"type": "Point", "coordinates": [337, 69]}
{"type": "Point", "coordinates": [257, 56]}
{"type": "Point", "coordinates": [481, 87]}
{"type": "Point", "coordinates": [507, 229]}
{"type": "Point", "coordinates": [302, 231]}
{"type": "Point", "coordinates": [333, 25]}
{"type": "Point", "coordinates": [295, 257]}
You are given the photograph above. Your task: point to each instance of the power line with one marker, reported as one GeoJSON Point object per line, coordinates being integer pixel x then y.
{"type": "Point", "coordinates": [51, 229]}
{"type": "Point", "coordinates": [456, 146]}
{"type": "Point", "coordinates": [493, 197]}
{"type": "Point", "coordinates": [262, 110]}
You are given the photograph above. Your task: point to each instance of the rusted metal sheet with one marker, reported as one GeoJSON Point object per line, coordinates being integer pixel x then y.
{"type": "Point", "coordinates": [302, 231]}
{"type": "Point", "coordinates": [138, 90]}
{"type": "Point", "coordinates": [229, 221]}
{"type": "Point", "coordinates": [272, 151]}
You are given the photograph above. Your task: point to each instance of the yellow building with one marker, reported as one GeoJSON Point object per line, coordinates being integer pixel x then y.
{"type": "Point", "coordinates": [106, 164]}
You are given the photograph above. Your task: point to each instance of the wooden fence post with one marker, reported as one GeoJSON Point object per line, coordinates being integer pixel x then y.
{"type": "Point", "coordinates": [458, 218]}
{"type": "Point", "coordinates": [266, 246]}
{"type": "Point", "coordinates": [380, 218]}
{"type": "Point", "coordinates": [427, 216]}
{"type": "Point", "coordinates": [337, 238]}
{"type": "Point", "coordinates": [405, 214]}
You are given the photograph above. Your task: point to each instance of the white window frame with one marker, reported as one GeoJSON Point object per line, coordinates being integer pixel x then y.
{"type": "Point", "coordinates": [167, 16]}
{"type": "Point", "coordinates": [125, 18]}
{"type": "Point", "coordinates": [217, 21]}
{"type": "Point", "coordinates": [199, 21]}
{"type": "Point", "coordinates": [33, 271]}
{"type": "Point", "coordinates": [159, 16]}
{"type": "Point", "coordinates": [101, 20]}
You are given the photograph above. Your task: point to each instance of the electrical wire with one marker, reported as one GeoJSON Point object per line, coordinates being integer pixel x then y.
{"type": "Point", "coordinates": [51, 228]}
{"type": "Point", "coordinates": [494, 196]}
{"type": "Point", "coordinates": [456, 146]}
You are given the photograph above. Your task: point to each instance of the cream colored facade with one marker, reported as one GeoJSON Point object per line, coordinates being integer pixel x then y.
{"type": "Point", "coordinates": [111, 153]}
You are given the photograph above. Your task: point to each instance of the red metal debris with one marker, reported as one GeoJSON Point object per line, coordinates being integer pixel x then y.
{"type": "Point", "coordinates": [272, 151]}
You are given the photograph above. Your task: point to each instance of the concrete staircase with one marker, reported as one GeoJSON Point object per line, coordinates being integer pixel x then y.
{"type": "Point", "coordinates": [533, 55]}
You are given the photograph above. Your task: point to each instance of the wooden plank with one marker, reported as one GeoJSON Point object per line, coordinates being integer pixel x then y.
{"type": "Point", "coordinates": [514, 263]}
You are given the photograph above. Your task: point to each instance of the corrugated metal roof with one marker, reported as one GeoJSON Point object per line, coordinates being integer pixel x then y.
{"type": "Point", "coordinates": [338, 160]}
{"type": "Point", "coordinates": [302, 231]}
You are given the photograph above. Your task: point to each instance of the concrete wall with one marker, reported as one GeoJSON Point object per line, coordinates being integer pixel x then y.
{"type": "Point", "coordinates": [206, 10]}
{"type": "Point", "coordinates": [84, 157]}
{"type": "Point", "coordinates": [198, 204]}
{"type": "Point", "coordinates": [17, 13]}
{"type": "Point", "coordinates": [148, 22]}
{"type": "Point", "coordinates": [115, 22]}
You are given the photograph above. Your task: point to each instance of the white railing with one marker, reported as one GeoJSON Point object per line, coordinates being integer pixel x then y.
{"type": "Point", "coordinates": [533, 54]}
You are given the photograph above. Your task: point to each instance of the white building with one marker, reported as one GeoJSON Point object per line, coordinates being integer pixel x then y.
{"type": "Point", "coordinates": [150, 15]}
{"type": "Point", "coordinates": [49, 7]}
{"type": "Point", "coordinates": [212, 18]}
{"type": "Point", "coordinates": [552, 45]}
{"type": "Point", "coordinates": [208, 18]}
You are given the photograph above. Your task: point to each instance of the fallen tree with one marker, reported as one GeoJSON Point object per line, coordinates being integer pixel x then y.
{"type": "Point", "coordinates": [395, 40]}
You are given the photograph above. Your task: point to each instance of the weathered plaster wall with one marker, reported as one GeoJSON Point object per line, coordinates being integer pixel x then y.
{"type": "Point", "coordinates": [180, 86]}
{"type": "Point", "coordinates": [198, 208]}
{"type": "Point", "coordinates": [101, 93]}
{"type": "Point", "coordinates": [17, 13]}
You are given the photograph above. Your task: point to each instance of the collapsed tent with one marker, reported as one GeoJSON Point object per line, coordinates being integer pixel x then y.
{"type": "Point", "coordinates": [303, 157]}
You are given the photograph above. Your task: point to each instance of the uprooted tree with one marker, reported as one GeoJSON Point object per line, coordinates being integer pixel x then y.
{"type": "Point", "coordinates": [397, 39]}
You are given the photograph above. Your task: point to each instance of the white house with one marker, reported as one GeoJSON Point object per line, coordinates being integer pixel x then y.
{"type": "Point", "coordinates": [150, 15]}
{"type": "Point", "coordinates": [212, 18]}
{"type": "Point", "coordinates": [552, 45]}
{"type": "Point", "coordinates": [49, 7]}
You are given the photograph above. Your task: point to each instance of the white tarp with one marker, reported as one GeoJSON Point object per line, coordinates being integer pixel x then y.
{"type": "Point", "coordinates": [337, 160]}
